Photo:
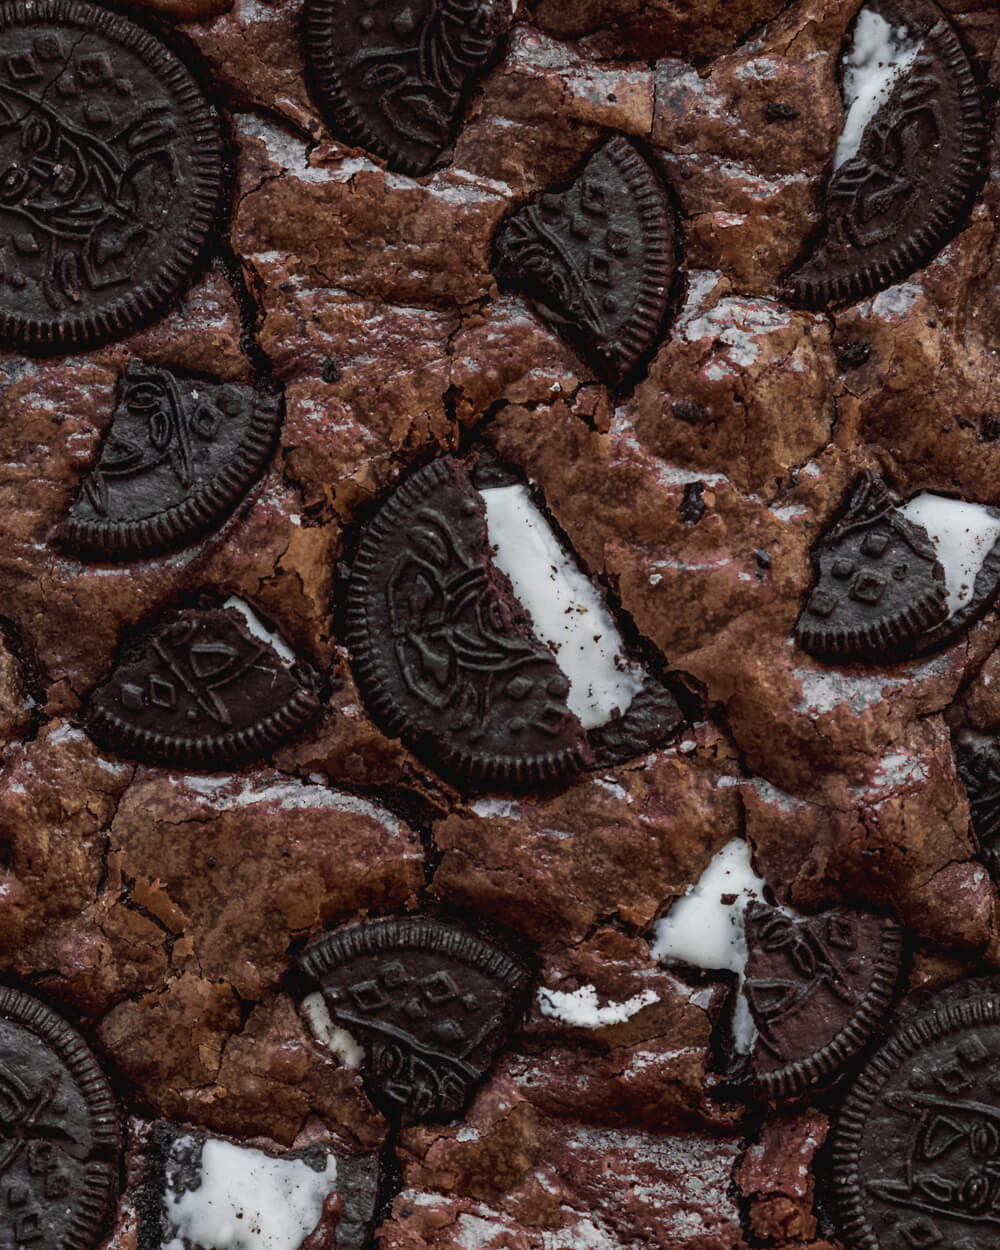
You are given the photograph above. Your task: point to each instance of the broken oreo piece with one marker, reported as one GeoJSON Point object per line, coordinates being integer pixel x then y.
{"type": "Point", "coordinates": [59, 1130]}
{"type": "Point", "coordinates": [443, 651]}
{"type": "Point", "coordinates": [200, 1187]}
{"type": "Point", "coordinates": [600, 255]}
{"type": "Point", "coordinates": [430, 1003]}
{"type": "Point", "coordinates": [904, 175]}
{"type": "Point", "coordinates": [652, 718]}
{"type": "Point", "coordinates": [818, 988]}
{"type": "Point", "coordinates": [916, 1143]}
{"type": "Point", "coordinates": [179, 456]}
{"type": "Point", "coordinates": [110, 174]}
{"type": "Point", "coordinates": [206, 686]}
{"type": "Point", "coordinates": [879, 584]}
{"type": "Point", "coordinates": [977, 759]}
{"type": "Point", "coordinates": [393, 77]}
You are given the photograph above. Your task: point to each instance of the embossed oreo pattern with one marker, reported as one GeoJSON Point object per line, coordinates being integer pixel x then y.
{"type": "Point", "coordinates": [110, 173]}
{"type": "Point", "coordinates": [601, 254]}
{"type": "Point", "coordinates": [895, 203]}
{"type": "Point", "coordinates": [879, 585]}
{"type": "Point", "coordinates": [178, 456]}
{"type": "Point", "coordinates": [200, 690]}
{"type": "Point", "coordinates": [392, 73]}
{"type": "Point", "coordinates": [59, 1133]}
{"type": "Point", "coordinates": [430, 1002]}
{"type": "Point", "coordinates": [444, 657]}
{"type": "Point", "coordinates": [917, 1147]}
{"type": "Point", "coordinates": [817, 989]}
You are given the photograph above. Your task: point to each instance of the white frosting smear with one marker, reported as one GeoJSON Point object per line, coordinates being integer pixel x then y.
{"type": "Point", "coordinates": [258, 629]}
{"type": "Point", "coordinates": [568, 613]}
{"type": "Point", "coordinates": [880, 54]}
{"type": "Point", "coordinates": [248, 1201]}
{"type": "Point", "coordinates": [963, 535]}
{"type": "Point", "coordinates": [705, 928]}
{"type": "Point", "coordinates": [579, 1007]}
{"type": "Point", "coordinates": [330, 1035]}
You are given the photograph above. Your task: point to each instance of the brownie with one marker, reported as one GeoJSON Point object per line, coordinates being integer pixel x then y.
{"type": "Point", "coordinates": [499, 665]}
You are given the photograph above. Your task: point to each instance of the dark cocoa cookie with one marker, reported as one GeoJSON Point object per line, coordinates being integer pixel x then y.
{"type": "Point", "coordinates": [178, 456]}
{"type": "Point", "coordinates": [110, 174]}
{"type": "Point", "coordinates": [652, 718]}
{"type": "Point", "coordinates": [600, 255]}
{"type": "Point", "coordinates": [444, 653]}
{"type": "Point", "coordinates": [59, 1133]}
{"type": "Point", "coordinates": [977, 757]}
{"type": "Point", "coordinates": [200, 1188]}
{"type": "Point", "coordinates": [900, 188]}
{"type": "Point", "coordinates": [818, 988]}
{"type": "Point", "coordinates": [879, 584]}
{"type": "Point", "coordinates": [430, 1003]}
{"type": "Point", "coordinates": [918, 1139]}
{"type": "Point", "coordinates": [393, 77]}
{"type": "Point", "coordinates": [204, 687]}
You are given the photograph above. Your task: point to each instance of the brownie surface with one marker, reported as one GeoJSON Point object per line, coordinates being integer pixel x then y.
{"type": "Point", "coordinates": [161, 909]}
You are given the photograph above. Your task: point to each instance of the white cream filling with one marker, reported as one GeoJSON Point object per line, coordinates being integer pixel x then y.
{"type": "Point", "coordinates": [330, 1035]}
{"type": "Point", "coordinates": [580, 1007]}
{"type": "Point", "coordinates": [879, 55]}
{"type": "Point", "coordinates": [567, 611]}
{"type": "Point", "coordinates": [247, 1201]}
{"type": "Point", "coordinates": [963, 535]}
{"type": "Point", "coordinates": [705, 929]}
{"type": "Point", "coordinates": [259, 630]}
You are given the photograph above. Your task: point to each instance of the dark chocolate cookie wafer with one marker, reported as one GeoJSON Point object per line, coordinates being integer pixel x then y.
{"type": "Point", "coordinates": [392, 76]}
{"type": "Point", "coordinates": [817, 989]}
{"type": "Point", "coordinates": [600, 254]}
{"type": "Point", "coordinates": [178, 456]}
{"type": "Point", "coordinates": [444, 653]}
{"type": "Point", "coordinates": [59, 1133]}
{"type": "Point", "coordinates": [110, 174]}
{"type": "Point", "coordinates": [896, 200]}
{"type": "Point", "coordinates": [201, 689]}
{"type": "Point", "coordinates": [917, 1145]}
{"type": "Point", "coordinates": [879, 584]}
{"type": "Point", "coordinates": [430, 1003]}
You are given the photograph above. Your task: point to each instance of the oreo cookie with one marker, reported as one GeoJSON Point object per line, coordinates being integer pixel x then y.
{"type": "Point", "coordinates": [203, 687]}
{"type": "Point", "coordinates": [393, 76]}
{"type": "Point", "coordinates": [179, 455]}
{"type": "Point", "coordinates": [600, 255]}
{"type": "Point", "coordinates": [879, 584]}
{"type": "Point", "coordinates": [59, 1130]}
{"type": "Point", "coordinates": [430, 1003]}
{"type": "Point", "coordinates": [110, 174]}
{"type": "Point", "coordinates": [443, 652]}
{"type": "Point", "coordinates": [916, 1155]}
{"type": "Point", "coordinates": [904, 177]}
{"type": "Point", "coordinates": [977, 759]}
{"type": "Point", "coordinates": [204, 1192]}
{"type": "Point", "coordinates": [900, 579]}
{"type": "Point", "coordinates": [818, 988]}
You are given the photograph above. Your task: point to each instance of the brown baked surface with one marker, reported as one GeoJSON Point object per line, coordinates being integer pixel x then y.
{"type": "Point", "coordinates": [161, 913]}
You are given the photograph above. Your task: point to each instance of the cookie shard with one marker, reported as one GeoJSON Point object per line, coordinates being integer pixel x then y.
{"type": "Point", "coordinates": [893, 204]}
{"type": "Point", "coordinates": [599, 254]}
{"type": "Point", "coordinates": [818, 988]}
{"type": "Point", "coordinates": [394, 76]}
{"type": "Point", "coordinates": [430, 1002]}
{"type": "Point", "coordinates": [201, 689]}
{"type": "Point", "coordinates": [111, 170]}
{"type": "Point", "coordinates": [177, 458]}
{"type": "Point", "coordinates": [652, 718]}
{"type": "Point", "coordinates": [917, 1138]}
{"type": "Point", "coordinates": [443, 652]}
{"type": "Point", "coordinates": [879, 584]}
{"type": "Point", "coordinates": [59, 1129]}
